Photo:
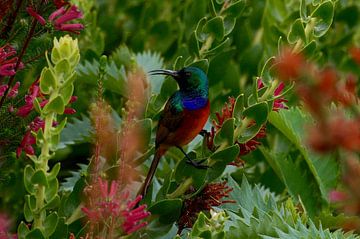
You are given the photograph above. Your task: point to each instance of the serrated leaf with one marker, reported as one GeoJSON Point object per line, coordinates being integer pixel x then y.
{"type": "Point", "coordinates": [78, 131]}
{"type": "Point", "coordinates": [291, 124]}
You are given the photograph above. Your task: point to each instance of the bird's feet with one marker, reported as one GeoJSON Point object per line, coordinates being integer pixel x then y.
{"type": "Point", "coordinates": [197, 164]}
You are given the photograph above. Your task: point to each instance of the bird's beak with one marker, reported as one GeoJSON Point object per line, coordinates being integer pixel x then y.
{"type": "Point", "coordinates": [174, 74]}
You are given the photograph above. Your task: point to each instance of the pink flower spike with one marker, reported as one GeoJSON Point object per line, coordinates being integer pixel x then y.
{"type": "Point", "coordinates": [73, 99]}
{"type": "Point", "coordinates": [34, 14]}
{"type": "Point", "coordinates": [74, 27]}
{"type": "Point", "coordinates": [69, 111]}
{"type": "Point", "coordinates": [3, 88]}
{"type": "Point", "coordinates": [7, 69]}
{"type": "Point", "coordinates": [57, 13]}
{"type": "Point", "coordinates": [71, 14]}
{"type": "Point", "coordinates": [14, 91]}
{"type": "Point", "coordinates": [279, 89]}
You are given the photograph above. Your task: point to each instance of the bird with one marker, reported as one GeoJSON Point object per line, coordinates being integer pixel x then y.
{"type": "Point", "coordinates": [183, 118]}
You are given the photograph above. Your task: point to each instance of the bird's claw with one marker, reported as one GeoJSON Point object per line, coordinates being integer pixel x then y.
{"type": "Point", "coordinates": [198, 164]}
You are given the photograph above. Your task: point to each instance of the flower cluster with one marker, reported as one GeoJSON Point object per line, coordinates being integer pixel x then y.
{"type": "Point", "coordinates": [227, 112]}
{"type": "Point", "coordinates": [59, 20]}
{"type": "Point", "coordinates": [109, 210]}
{"type": "Point", "coordinates": [29, 140]}
{"type": "Point", "coordinates": [348, 199]}
{"type": "Point", "coordinates": [8, 61]}
{"type": "Point", "coordinates": [4, 227]}
{"type": "Point", "coordinates": [13, 92]}
{"type": "Point", "coordinates": [319, 89]}
{"type": "Point", "coordinates": [211, 196]}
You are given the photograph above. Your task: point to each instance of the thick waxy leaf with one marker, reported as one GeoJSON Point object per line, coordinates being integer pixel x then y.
{"type": "Point", "coordinates": [35, 234]}
{"type": "Point", "coordinates": [56, 105]}
{"type": "Point", "coordinates": [39, 177]}
{"type": "Point", "coordinates": [324, 15]}
{"type": "Point", "coordinates": [219, 160]}
{"type": "Point", "coordinates": [226, 133]}
{"type": "Point", "coordinates": [50, 224]}
{"type": "Point", "coordinates": [258, 113]}
{"type": "Point", "coordinates": [47, 81]}
{"type": "Point", "coordinates": [297, 32]}
{"type": "Point", "coordinates": [215, 27]}
{"type": "Point", "coordinates": [168, 210]}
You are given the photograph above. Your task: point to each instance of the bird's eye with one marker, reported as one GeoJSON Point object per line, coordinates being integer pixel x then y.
{"type": "Point", "coordinates": [188, 74]}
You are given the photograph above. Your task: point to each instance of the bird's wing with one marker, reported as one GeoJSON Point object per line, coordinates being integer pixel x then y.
{"type": "Point", "coordinates": [170, 120]}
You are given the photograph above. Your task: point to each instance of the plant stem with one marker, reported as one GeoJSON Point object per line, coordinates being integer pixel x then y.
{"type": "Point", "coordinates": [11, 19]}
{"type": "Point", "coordinates": [181, 189]}
{"type": "Point", "coordinates": [40, 216]}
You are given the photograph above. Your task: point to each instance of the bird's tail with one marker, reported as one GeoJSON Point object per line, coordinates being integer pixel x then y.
{"type": "Point", "coordinates": [151, 173]}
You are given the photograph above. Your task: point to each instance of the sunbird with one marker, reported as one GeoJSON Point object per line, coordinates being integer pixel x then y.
{"type": "Point", "coordinates": [183, 118]}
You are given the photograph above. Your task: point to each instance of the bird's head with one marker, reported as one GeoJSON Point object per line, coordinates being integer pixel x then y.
{"type": "Point", "coordinates": [188, 78]}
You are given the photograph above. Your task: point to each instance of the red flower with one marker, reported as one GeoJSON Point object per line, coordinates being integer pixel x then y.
{"type": "Point", "coordinates": [355, 54]}
{"type": "Point", "coordinates": [210, 196]}
{"type": "Point", "coordinates": [61, 3]}
{"type": "Point", "coordinates": [8, 61]}
{"type": "Point", "coordinates": [109, 209]}
{"type": "Point", "coordinates": [14, 91]}
{"type": "Point", "coordinates": [28, 139]}
{"type": "Point", "coordinates": [289, 64]}
{"type": "Point", "coordinates": [60, 18]}
{"type": "Point", "coordinates": [278, 102]}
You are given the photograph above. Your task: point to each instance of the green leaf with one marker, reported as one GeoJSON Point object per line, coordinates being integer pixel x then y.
{"type": "Point", "coordinates": [193, 45]}
{"type": "Point", "coordinates": [219, 160]}
{"type": "Point", "coordinates": [235, 9]}
{"type": "Point", "coordinates": [78, 131]}
{"type": "Point", "coordinates": [184, 170]}
{"type": "Point", "coordinates": [53, 203]}
{"type": "Point", "coordinates": [202, 64]}
{"type": "Point", "coordinates": [239, 107]}
{"type": "Point", "coordinates": [61, 230]}
{"type": "Point", "coordinates": [303, 11]}
{"type": "Point", "coordinates": [199, 34]}
{"type": "Point", "coordinates": [168, 210]}
{"type": "Point", "coordinates": [145, 126]}
{"type": "Point", "coordinates": [39, 177]}
{"type": "Point", "coordinates": [296, 32]}
{"type": "Point", "coordinates": [47, 81]}
{"type": "Point", "coordinates": [31, 202]}
{"type": "Point", "coordinates": [28, 213]}
{"type": "Point", "coordinates": [226, 133]}
{"type": "Point", "coordinates": [50, 224]}
{"type": "Point", "coordinates": [62, 71]}
{"type": "Point", "coordinates": [22, 230]}
{"type": "Point", "coordinates": [59, 127]}
{"type": "Point", "coordinates": [66, 92]}
{"type": "Point", "coordinates": [324, 168]}
{"type": "Point", "coordinates": [28, 174]}
{"type": "Point", "coordinates": [215, 27]}
{"type": "Point", "coordinates": [218, 48]}
{"type": "Point", "coordinates": [35, 234]}
{"type": "Point", "coordinates": [257, 112]}
{"type": "Point", "coordinates": [51, 190]}
{"type": "Point", "coordinates": [324, 15]}
{"type": "Point", "coordinates": [56, 105]}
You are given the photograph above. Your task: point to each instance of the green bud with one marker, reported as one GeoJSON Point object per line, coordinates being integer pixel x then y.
{"type": "Point", "coordinates": [65, 48]}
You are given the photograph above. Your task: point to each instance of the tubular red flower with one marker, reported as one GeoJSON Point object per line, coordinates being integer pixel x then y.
{"type": "Point", "coordinates": [59, 19]}
{"type": "Point", "coordinates": [8, 61]}
{"type": "Point", "coordinates": [14, 91]}
{"type": "Point", "coordinates": [107, 206]}
{"type": "Point", "coordinates": [211, 196]}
